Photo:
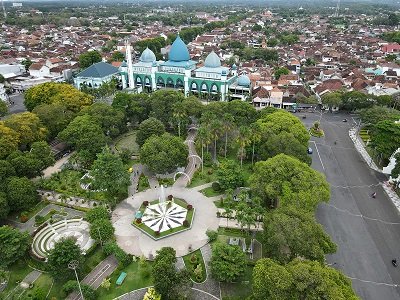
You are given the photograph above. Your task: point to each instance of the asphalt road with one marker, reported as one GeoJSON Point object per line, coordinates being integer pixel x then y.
{"type": "Point", "coordinates": [366, 230]}
{"type": "Point", "coordinates": [17, 104]}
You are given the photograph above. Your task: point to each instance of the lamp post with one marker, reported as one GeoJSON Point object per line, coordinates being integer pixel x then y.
{"type": "Point", "coordinates": [101, 241]}
{"type": "Point", "coordinates": [73, 264]}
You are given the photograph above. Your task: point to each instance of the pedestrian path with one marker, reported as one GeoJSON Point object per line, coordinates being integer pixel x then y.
{"type": "Point", "coordinates": [30, 278]}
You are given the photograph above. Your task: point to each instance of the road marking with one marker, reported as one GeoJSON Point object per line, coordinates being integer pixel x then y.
{"type": "Point", "coordinates": [211, 295]}
{"type": "Point", "coordinates": [318, 155]}
{"type": "Point", "coordinates": [354, 186]}
{"type": "Point", "coordinates": [361, 216]}
{"type": "Point", "coordinates": [374, 282]}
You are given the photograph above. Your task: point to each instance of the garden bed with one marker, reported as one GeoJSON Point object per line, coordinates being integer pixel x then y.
{"type": "Point", "coordinates": [127, 141]}
{"type": "Point", "coordinates": [156, 235]}
{"type": "Point", "coordinates": [26, 215]}
{"type": "Point", "coordinates": [194, 263]}
{"type": "Point", "coordinates": [210, 192]}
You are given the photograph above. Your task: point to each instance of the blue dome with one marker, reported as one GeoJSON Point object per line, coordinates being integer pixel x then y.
{"type": "Point", "coordinates": [147, 56]}
{"type": "Point", "coordinates": [212, 61]}
{"type": "Point", "coordinates": [124, 64]}
{"type": "Point", "coordinates": [179, 51]}
{"type": "Point", "coordinates": [234, 67]}
{"type": "Point", "coordinates": [244, 80]}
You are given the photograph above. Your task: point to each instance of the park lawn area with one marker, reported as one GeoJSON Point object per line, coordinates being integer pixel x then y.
{"type": "Point", "coordinates": [209, 192]}
{"type": "Point", "coordinates": [17, 272]}
{"type": "Point", "coordinates": [238, 290]}
{"type": "Point", "coordinates": [149, 231]}
{"type": "Point", "coordinates": [200, 178]}
{"type": "Point", "coordinates": [134, 280]}
{"type": "Point", "coordinates": [44, 282]}
{"type": "Point", "coordinates": [191, 266]}
{"type": "Point", "coordinates": [127, 141]}
{"type": "Point", "coordinates": [49, 215]}
{"type": "Point", "coordinates": [29, 213]}
{"type": "Point", "coordinates": [92, 260]}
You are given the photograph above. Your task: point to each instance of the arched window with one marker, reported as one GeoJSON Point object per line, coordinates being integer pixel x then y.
{"type": "Point", "coordinates": [179, 83]}
{"type": "Point", "coordinates": [160, 80]}
{"type": "Point", "coordinates": [194, 86]}
{"type": "Point", "coordinates": [147, 81]}
{"type": "Point", "coordinates": [204, 87]}
{"type": "Point", "coordinates": [214, 88]}
{"type": "Point", "coordinates": [170, 83]}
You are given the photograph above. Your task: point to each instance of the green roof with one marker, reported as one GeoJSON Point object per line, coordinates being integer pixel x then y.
{"type": "Point", "coordinates": [98, 70]}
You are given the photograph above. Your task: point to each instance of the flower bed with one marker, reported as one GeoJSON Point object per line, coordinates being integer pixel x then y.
{"type": "Point", "coordinates": [195, 265]}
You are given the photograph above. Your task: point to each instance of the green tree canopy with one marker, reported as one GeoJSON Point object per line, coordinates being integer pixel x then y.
{"type": "Point", "coordinates": [300, 279]}
{"type": "Point", "coordinates": [281, 71]}
{"type": "Point", "coordinates": [55, 117]}
{"type": "Point", "coordinates": [13, 245]}
{"type": "Point", "coordinates": [89, 58]}
{"type": "Point", "coordinates": [9, 140]}
{"type": "Point", "coordinates": [42, 151]}
{"type": "Point", "coordinates": [375, 114]}
{"type": "Point", "coordinates": [6, 170]}
{"type": "Point", "coordinates": [64, 251]}
{"type": "Point", "coordinates": [3, 108]}
{"type": "Point", "coordinates": [284, 180]}
{"type": "Point", "coordinates": [227, 262]}
{"type": "Point", "coordinates": [101, 230]}
{"type": "Point", "coordinates": [285, 231]}
{"type": "Point", "coordinates": [385, 138]}
{"type": "Point", "coordinates": [136, 107]}
{"type": "Point", "coordinates": [62, 93]}
{"type": "Point", "coordinates": [356, 100]}
{"type": "Point", "coordinates": [28, 127]}
{"type": "Point", "coordinates": [111, 120]}
{"type": "Point", "coordinates": [229, 175]}
{"type": "Point", "coordinates": [21, 193]}
{"type": "Point", "coordinates": [331, 100]}
{"type": "Point", "coordinates": [4, 208]}
{"type": "Point", "coordinates": [147, 128]}
{"type": "Point", "coordinates": [97, 213]}
{"type": "Point", "coordinates": [109, 173]}
{"type": "Point", "coordinates": [164, 153]}
{"type": "Point", "coordinates": [162, 104]}
{"type": "Point", "coordinates": [84, 134]}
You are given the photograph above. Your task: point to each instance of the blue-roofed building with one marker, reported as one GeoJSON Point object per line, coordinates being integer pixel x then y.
{"type": "Point", "coordinates": [95, 75]}
{"type": "Point", "coordinates": [180, 72]}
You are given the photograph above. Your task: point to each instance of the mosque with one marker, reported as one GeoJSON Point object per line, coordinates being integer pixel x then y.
{"type": "Point", "coordinates": [179, 72]}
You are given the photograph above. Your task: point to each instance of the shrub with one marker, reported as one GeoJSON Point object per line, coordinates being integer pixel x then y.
{"type": "Point", "coordinates": [39, 219]}
{"type": "Point", "coordinates": [157, 233]}
{"type": "Point", "coordinates": [145, 203]}
{"type": "Point", "coordinates": [189, 207]}
{"type": "Point", "coordinates": [186, 223]}
{"type": "Point", "coordinates": [138, 221]}
{"type": "Point", "coordinates": [23, 217]}
{"type": "Point", "coordinates": [210, 172]}
{"type": "Point", "coordinates": [123, 258]}
{"type": "Point", "coordinates": [218, 214]}
{"type": "Point", "coordinates": [170, 197]}
{"type": "Point", "coordinates": [212, 235]}
{"type": "Point", "coordinates": [69, 286]}
{"type": "Point", "coordinates": [194, 259]}
{"type": "Point", "coordinates": [216, 186]}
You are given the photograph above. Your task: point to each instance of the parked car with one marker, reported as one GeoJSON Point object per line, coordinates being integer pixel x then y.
{"type": "Point", "coordinates": [344, 120]}
{"type": "Point", "coordinates": [309, 150]}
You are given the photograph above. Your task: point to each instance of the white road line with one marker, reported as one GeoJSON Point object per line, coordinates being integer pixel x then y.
{"type": "Point", "coordinates": [361, 216]}
{"type": "Point", "coordinates": [318, 155]}
{"type": "Point", "coordinates": [354, 186]}
{"type": "Point", "coordinates": [205, 293]}
{"type": "Point", "coordinates": [373, 282]}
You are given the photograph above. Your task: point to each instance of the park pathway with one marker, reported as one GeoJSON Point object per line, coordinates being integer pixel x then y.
{"type": "Point", "coordinates": [194, 162]}
{"type": "Point", "coordinates": [30, 278]}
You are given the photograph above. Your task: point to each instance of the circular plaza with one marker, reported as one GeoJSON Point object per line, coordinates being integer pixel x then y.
{"type": "Point", "coordinates": [162, 218]}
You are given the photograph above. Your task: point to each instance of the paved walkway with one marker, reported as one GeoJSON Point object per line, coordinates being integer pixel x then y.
{"type": "Point", "coordinates": [56, 167]}
{"type": "Point", "coordinates": [97, 275]}
{"type": "Point", "coordinates": [30, 278]}
{"type": "Point", "coordinates": [29, 225]}
{"type": "Point", "coordinates": [135, 242]}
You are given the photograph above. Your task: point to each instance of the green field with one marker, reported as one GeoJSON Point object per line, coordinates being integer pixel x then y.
{"type": "Point", "coordinates": [127, 141]}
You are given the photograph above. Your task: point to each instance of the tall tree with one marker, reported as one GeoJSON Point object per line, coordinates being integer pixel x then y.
{"type": "Point", "coordinates": [9, 140]}
{"type": "Point", "coordinates": [4, 208]}
{"type": "Point", "coordinates": [21, 193]}
{"type": "Point", "coordinates": [110, 174]}
{"type": "Point", "coordinates": [13, 245]}
{"type": "Point", "coordinates": [101, 230]}
{"type": "Point", "coordinates": [228, 125]}
{"type": "Point", "coordinates": [203, 135]}
{"type": "Point", "coordinates": [179, 116]}
{"type": "Point", "coordinates": [28, 127]}
{"type": "Point", "coordinates": [332, 100]}
{"type": "Point", "coordinates": [229, 175]}
{"type": "Point", "coordinates": [42, 151]}
{"type": "Point", "coordinates": [243, 139]}
{"type": "Point", "coordinates": [286, 180]}
{"type": "Point", "coordinates": [89, 58]}
{"type": "Point", "coordinates": [147, 128]}
{"type": "Point", "coordinates": [164, 153]}
{"type": "Point", "coordinates": [228, 262]}
{"type": "Point", "coordinates": [255, 137]}
{"type": "Point", "coordinates": [285, 231]}
{"type": "Point", "coordinates": [64, 251]}
{"type": "Point", "coordinates": [215, 129]}
{"type": "Point", "coordinates": [386, 138]}
{"type": "Point", "coordinates": [3, 108]}
{"type": "Point", "coordinates": [162, 103]}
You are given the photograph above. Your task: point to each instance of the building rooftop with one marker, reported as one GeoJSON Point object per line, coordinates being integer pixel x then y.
{"type": "Point", "coordinates": [98, 70]}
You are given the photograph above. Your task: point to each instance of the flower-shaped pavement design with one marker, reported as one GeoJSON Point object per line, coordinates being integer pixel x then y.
{"type": "Point", "coordinates": [162, 216]}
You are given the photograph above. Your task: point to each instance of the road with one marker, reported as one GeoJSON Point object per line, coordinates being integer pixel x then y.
{"type": "Point", "coordinates": [366, 230]}
{"type": "Point", "coordinates": [17, 104]}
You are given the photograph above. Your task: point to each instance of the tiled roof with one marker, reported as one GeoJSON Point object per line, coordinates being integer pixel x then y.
{"type": "Point", "coordinates": [98, 70]}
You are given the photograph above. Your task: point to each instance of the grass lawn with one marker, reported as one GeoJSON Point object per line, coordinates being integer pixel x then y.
{"type": "Point", "coordinates": [127, 141]}
{"type": "Point", "coordinates": [49, 215]}
{"type": "Point", "coordinates": [92, 260]}
{"type": "Point", "coordinates": [238, 290]}
{"type": "Point", "coordinates": [191, 266]}
{"type": "Point", "coordinates": [30, 213]}
{"type": "Point", "coordinates": [209, 192]}
{"type": "Point", "coordinates": [145, 228]}
{"type": "Point", "coordinates": [44, 283]}
{"type": "Point", "coordinates": [200, 178]}
{"type": "Point", "coordinates": [17, 272]}
{"type": "Point", "coordinates": [143, 183]}
{"type": "Point", "coordinates": [134, 280]}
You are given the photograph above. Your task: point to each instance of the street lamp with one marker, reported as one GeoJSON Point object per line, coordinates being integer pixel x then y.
{"type": "Point", "coordinates": [73, 264]}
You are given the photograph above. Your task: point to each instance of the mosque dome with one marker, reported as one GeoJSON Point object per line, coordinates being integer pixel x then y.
{"type": "Point", "coordinates": [212, 60]}
{"type": "Point", "coordinates": [179, 51]}
{"type": "Point", "coordinates": [147, 56]}
{"type": "Point", "coordinates": [124, 64]}
{"type": "Point", "coordinates": [234, 67]}
{"type": "Point", "coordinates": [244, 80]}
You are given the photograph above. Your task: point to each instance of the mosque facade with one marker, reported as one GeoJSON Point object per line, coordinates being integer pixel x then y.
{"type": "Point", "coordinates": [179, 72]}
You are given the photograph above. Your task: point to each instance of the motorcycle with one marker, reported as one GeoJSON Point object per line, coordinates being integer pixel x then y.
{"type": "Point", "coordinates": [373, 195]}
{"type": "Point", "coordinates": [394, 262]}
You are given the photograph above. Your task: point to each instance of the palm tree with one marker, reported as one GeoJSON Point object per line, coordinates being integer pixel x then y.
{"type": "Point", "coordinates": [228, 124]}
{"type": "Point", "coordinates": [243, 141]}
{"type": "Point", "coordinates": [215, 128]}
{"type": "Point", "coordinates": [203, 134]}
{"type": "Point", "coordinates": [255, 137]}
{"type": "Point", "coordinates": [179, 114]}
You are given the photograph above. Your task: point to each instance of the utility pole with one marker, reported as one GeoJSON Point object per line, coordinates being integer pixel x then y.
{"type": "Point", "coordinates": [73, 264]}
{"type": "Point", "coordinates": [337, 9]}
